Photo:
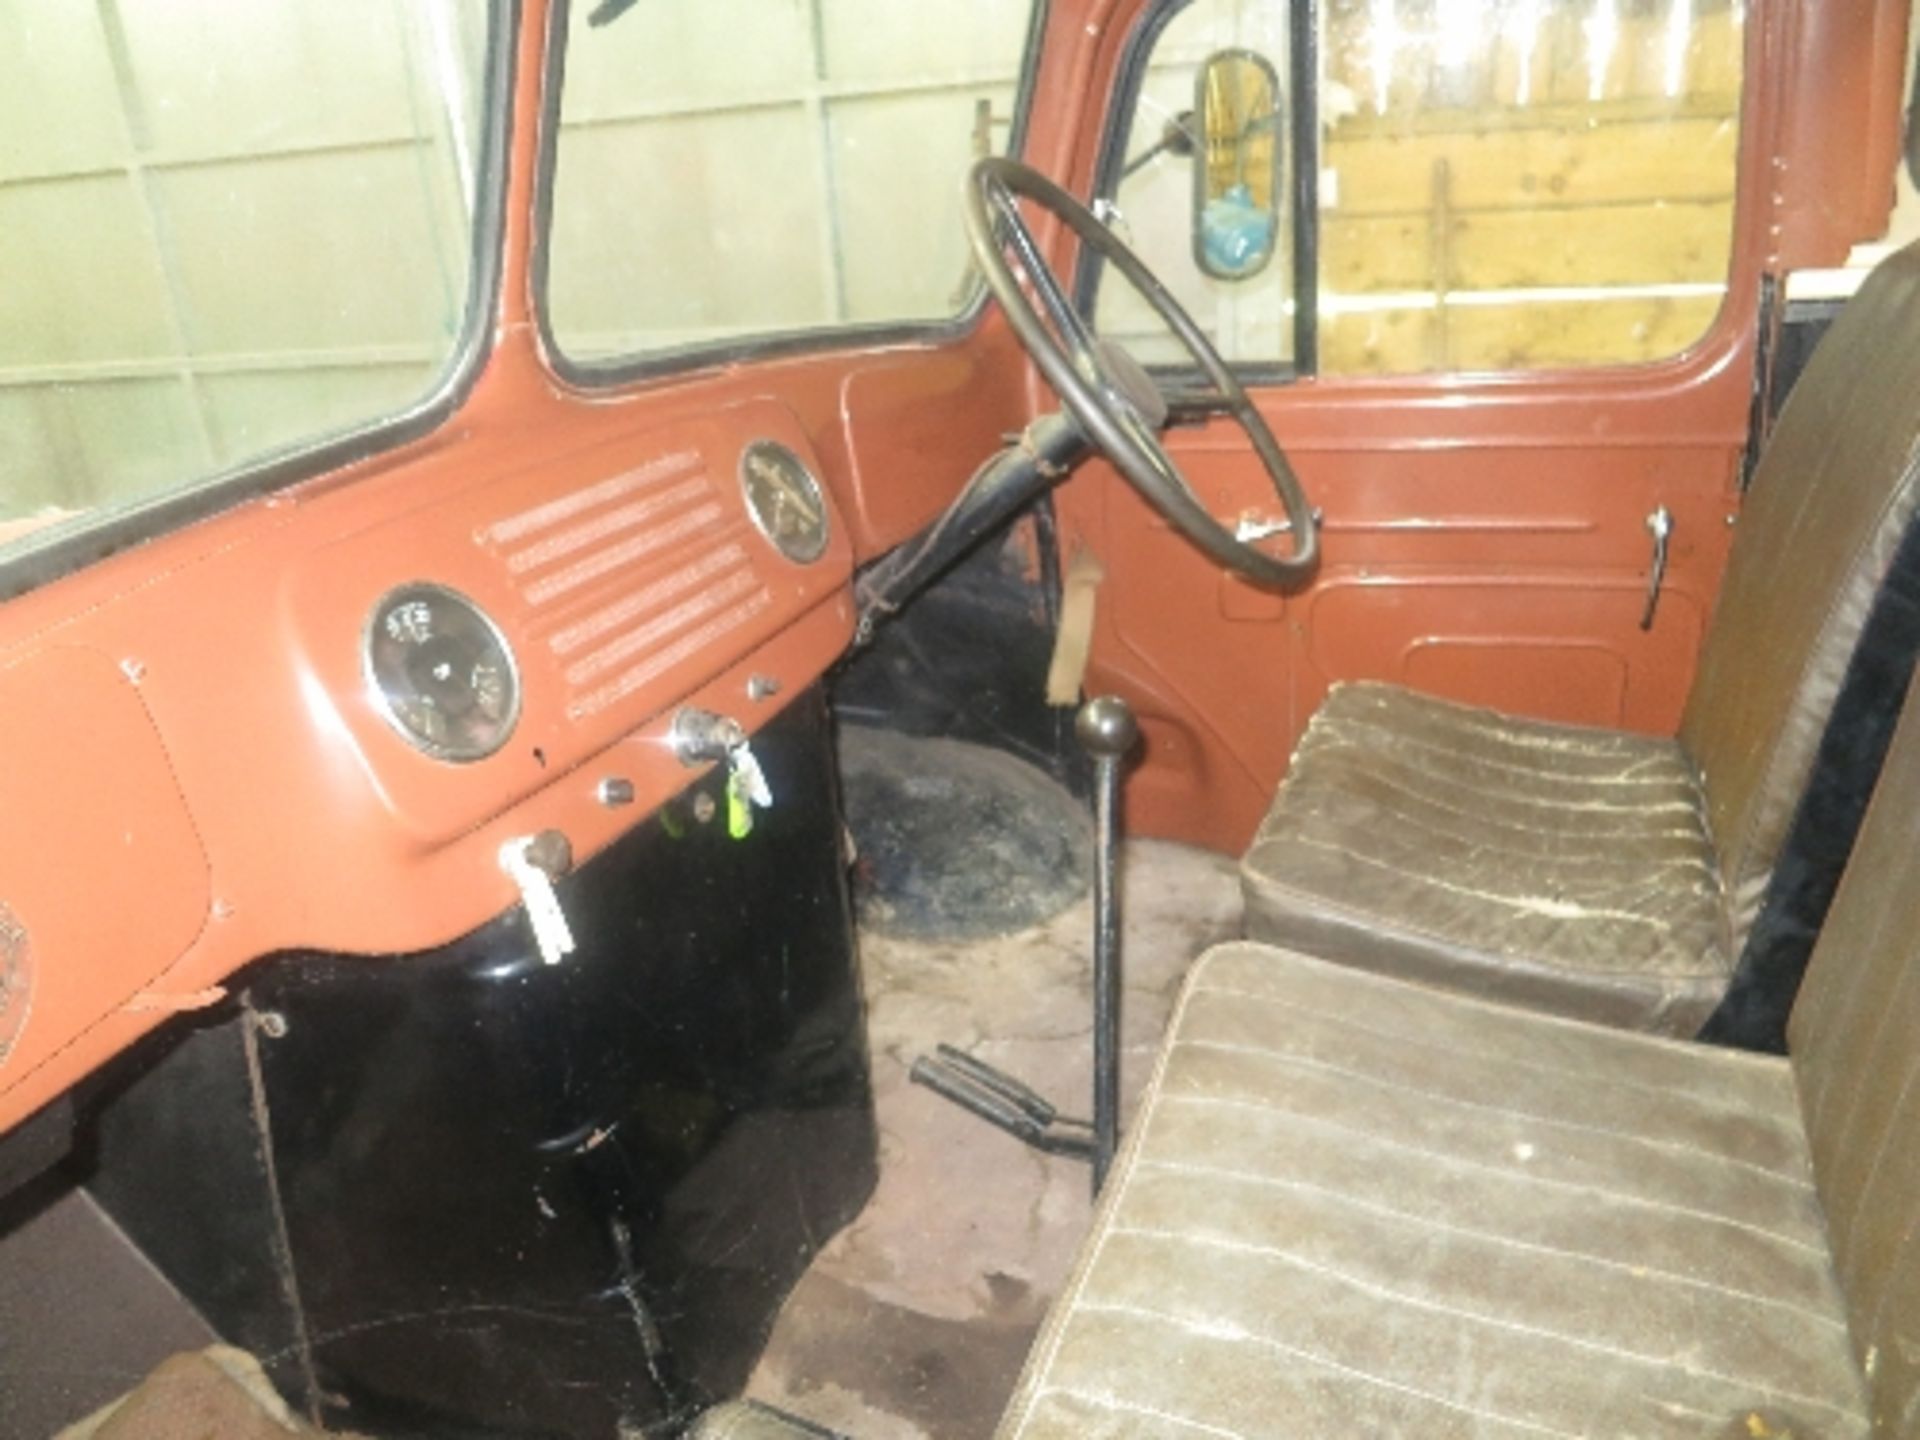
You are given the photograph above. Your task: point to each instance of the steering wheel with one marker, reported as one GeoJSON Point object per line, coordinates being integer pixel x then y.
{"type": "Point", "coordinates": [1108, 392]}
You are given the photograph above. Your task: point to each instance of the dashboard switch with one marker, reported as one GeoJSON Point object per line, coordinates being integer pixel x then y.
{"type": "Point", "coordinates": [533, 863]}
{"type": "Point", "coordinates": [700, 735]}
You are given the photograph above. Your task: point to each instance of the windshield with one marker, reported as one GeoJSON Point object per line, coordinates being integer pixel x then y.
{"type": "Point", "coordinates": [223, 241]}
{"type": "Point", "coordinates": [729, 171]}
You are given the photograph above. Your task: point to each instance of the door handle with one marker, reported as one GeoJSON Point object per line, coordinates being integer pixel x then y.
{"type": "Point", "coordinates": [1660, 526]}
{"type": "Point", "coordinates": [1253, 527]}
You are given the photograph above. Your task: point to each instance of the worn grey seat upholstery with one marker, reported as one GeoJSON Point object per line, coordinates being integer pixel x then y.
{"type": "Point", "coordinates": [1355, 1206]}
{"type": "Point", "coordinates": [1568, 869]}
{"type": "Point", "coordinates": [1598, 874]}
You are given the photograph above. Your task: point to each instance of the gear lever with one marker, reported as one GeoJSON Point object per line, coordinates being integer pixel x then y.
{"type": "Point", "coordinates": [1107, 731]}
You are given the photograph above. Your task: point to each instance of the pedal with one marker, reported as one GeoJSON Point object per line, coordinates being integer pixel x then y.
{"type": "Point", "coordinates": [755, 1420]}
{"type": "Point", "coordinates": [1004, 1102]}
{"type": "Point", "coordinates": [1107, 731]}
{"type": "Point", "coordinates": [1022, 1096]}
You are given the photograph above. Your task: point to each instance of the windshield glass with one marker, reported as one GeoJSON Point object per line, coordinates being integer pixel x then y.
{"type": "Point", "coordinates": [730, 170]}
{"type": "Point", "coordinates": [223, 240]}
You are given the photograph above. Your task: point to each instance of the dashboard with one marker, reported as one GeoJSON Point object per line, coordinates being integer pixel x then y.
{"type": "Point", "coordinates": [319, 720]}
{"type": "Point", "coordinates": [325, 718]}
{"type": "Point", "coordinates": [582, 599]}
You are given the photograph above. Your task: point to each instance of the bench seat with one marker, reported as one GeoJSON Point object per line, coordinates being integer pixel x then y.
{"type": "Point", "coordinates": [1354, 1206]}
{"type": "Point", "coordinates": [1556, 866]}
{"type": "Point", "coordinates": [1618, 877]}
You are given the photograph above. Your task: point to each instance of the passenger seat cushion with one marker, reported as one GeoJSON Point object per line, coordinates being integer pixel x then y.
{"type": "Point", "coordinates": [1556, 866]}
{"type": "Point", "coordinates": [1352, 1206]}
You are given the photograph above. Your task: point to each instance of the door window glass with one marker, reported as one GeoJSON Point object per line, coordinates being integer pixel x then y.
{"type": "Point", "coordinates": [1249, 317]}
{"type": "Point", "coordinates": [1502, 184]}
{"type": "Point", "coordinates": [1511, 184]}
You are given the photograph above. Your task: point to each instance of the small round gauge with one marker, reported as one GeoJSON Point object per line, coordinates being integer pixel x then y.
{"type": "Point", "coordinates": [443, 672]}
{"type": "Point", "coordinates": [784, 500]}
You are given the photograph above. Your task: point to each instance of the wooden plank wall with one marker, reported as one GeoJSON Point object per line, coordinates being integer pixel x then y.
{"type": "Point", "coordinates": [1449, 216]}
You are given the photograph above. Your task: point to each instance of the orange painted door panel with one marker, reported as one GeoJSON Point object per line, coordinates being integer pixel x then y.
{"type": "Point", "coordinates": [1501, 556]}
{"type": "Point", "coordinates": [1485, 533]}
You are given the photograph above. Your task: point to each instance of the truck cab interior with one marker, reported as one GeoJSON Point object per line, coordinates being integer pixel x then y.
{"type": "Point", "coordinates": [1045, 718]}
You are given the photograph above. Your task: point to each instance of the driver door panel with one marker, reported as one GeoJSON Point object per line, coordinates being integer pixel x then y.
{"type": "Point", "coordinates": [1485, 505]}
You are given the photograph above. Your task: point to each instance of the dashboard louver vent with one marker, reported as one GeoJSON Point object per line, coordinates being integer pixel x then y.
{"type": "Point", "coordinates": [628, 577]}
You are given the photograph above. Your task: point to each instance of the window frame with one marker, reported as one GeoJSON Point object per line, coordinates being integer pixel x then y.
{"type": "Point", "coordinates": [1303, 72]}
{"type": "Point", "coordinates": [622, 370]}
{"type": "Point", "coordinates": [1303, 159]}
{"type": "Point", "coordinates": [39, 564]}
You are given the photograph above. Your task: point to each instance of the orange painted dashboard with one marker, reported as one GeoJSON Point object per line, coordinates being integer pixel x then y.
{"type": "Point", "coordinates": [199, 771]}
{"type": "Point", "coordinates": [194, 769]}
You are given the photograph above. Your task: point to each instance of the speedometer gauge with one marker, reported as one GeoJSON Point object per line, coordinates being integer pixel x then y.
{"type": "Point", "coordinates": [785, 501]}
{"type": "Point", "coordinates": [442, 672]}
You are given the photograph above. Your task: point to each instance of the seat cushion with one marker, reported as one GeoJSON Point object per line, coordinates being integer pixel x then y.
{"type": "Point", "coordinates": [1352, 1206]}
{"type": "Point", "coordinates": [1560, 867]}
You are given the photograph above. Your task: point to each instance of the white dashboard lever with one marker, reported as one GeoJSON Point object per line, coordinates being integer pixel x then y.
{"type": "Point", "coordinates": [531, 864]}
{"type": "Point", "coordinates": [743, 762]}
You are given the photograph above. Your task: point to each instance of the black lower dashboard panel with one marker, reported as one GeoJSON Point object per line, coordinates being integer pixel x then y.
{"type": "Point", "coordinates": [467, 1193]}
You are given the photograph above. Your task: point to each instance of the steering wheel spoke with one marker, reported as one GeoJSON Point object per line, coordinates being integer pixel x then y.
{"type": "Point", "coordinates": [1110, 396]}
{"type": "Point", "coordinates": [1148, 439]}
{"type": "Point", "coordinates": [1065, 319]}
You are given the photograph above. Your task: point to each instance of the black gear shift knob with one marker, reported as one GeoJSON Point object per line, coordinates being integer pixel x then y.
{"type": "Point", "coordinates": [1106, 728]}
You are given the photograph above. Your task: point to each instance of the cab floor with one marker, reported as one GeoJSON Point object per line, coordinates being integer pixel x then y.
{"type": "Point", "coordinates": [915, 1321]}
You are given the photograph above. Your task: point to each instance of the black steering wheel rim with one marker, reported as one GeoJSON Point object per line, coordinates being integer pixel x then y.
{"type": "Point", "coordinates": [1112, 409]}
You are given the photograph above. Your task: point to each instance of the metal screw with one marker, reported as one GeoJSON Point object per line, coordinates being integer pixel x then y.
{"type": "Point", "coordinates": [762, 687]}
{"type": "Point", "coordinates": [551, 853]}
{"type": "Point", "coordinates": [703, 807]}
{"type": "Point", "coordinates": [272, 1024]}
{"type": "Point", "coordinates": [615, 790]}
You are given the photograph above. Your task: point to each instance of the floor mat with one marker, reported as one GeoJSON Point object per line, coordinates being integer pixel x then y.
{"type": "Point", "coordinates": [83, 1314]}
{"type": "Point", "coordinates": [219, 1393]}
{"type": "Point", "coordinates": [957, 841]}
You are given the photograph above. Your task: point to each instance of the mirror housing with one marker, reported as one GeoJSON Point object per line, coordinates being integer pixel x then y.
{"type": "Point", "coordinates": [1237, 169]}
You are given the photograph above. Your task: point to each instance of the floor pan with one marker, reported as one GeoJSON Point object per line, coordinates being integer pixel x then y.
{"type": "Point", "coordinates": [915, 1322]}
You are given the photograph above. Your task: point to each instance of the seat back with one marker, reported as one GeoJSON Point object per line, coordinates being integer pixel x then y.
{"type": "Point", "coordinates": [1854, 1039]}
{"type": "Point", "coordinates": [1829, 505]}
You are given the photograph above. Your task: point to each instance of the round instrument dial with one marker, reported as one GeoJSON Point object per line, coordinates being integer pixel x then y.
{"type": "Point", "coordinates": [442, 672]}
{"type": "Point", "coordinates": [784, 500]}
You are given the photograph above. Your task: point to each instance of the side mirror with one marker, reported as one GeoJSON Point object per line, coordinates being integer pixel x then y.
{"type": "Point", "coordinates": [1237, 175]}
